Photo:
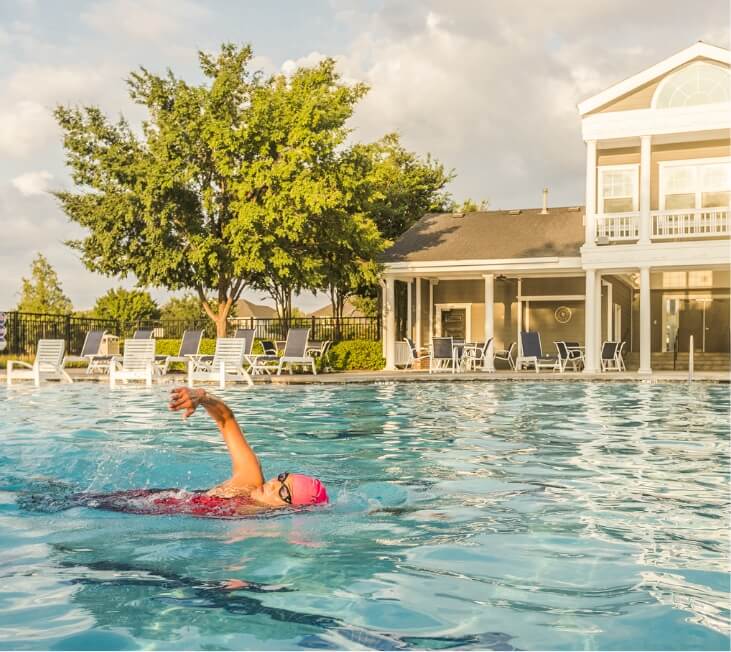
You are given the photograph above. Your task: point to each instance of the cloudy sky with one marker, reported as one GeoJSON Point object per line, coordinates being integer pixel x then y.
{"type": "Point", "coordinates": [488, 87]}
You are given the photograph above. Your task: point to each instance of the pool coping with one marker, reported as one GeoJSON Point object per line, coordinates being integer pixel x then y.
{"type": "Point", "coordinates": [357, 377]}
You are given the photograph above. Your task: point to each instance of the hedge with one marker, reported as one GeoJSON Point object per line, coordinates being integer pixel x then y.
{"type": "Point", "coordinates": [344, 356]}
{"type": "Point", "coordinates": [357, 355]}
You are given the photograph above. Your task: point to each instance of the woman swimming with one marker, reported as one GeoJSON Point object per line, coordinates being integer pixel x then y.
{"type": "Point", "coordinates": [246, 492]}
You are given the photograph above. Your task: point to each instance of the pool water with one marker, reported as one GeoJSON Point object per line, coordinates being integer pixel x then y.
{"type": "Point", "coordinates": [464, 515]}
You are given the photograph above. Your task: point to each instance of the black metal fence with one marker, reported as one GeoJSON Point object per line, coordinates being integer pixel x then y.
{"type": "Point", "coordinates": [23, 329]}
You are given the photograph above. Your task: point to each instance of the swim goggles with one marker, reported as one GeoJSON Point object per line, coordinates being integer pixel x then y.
{"type": "Point", "coordinates": [284, 493]}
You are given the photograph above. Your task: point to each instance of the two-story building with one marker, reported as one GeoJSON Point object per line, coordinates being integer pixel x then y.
{"type": "Point", "coordinates": [645, 260]}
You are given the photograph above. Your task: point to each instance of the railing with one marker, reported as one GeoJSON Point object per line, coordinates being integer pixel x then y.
{"type": "Point", "coordinates": [23, 329]}
{"type": "Point", "coordinates": [321, 328]}
{"type": "Point", "coordinates": [618, 226]}
{"type": "Point", "coordinates": [690, 223]}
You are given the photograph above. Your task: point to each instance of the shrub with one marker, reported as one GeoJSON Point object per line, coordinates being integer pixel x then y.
{"type": "Point", "coordinates": [357, 354]}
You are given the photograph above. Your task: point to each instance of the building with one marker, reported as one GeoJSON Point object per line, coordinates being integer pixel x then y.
{"type": "Point", "coordinates": [246, 309]}
{"type": "Point", "coordinates": [349, 310]}
{"type": "Point", "coordinates": [646, 259]}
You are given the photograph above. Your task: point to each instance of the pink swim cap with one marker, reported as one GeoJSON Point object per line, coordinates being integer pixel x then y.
{"type": "Point", "coordinates": [306, 490]}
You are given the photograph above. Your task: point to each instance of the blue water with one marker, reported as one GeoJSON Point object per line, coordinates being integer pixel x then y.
{"type": "Point", "coordinates": [464, 515]}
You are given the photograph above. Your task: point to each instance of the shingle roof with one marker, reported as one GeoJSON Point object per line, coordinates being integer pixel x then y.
{"type": "Point", "coordinates": [490, 235]}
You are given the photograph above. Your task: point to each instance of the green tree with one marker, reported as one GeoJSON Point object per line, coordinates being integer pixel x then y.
{"type": "Point", "coordinates": [286, 200]}
{"type": "Point", "coordinates": [469, 206]}
{"type": "Point", "coordinates": [126, 306]}
{"type": "Point", "coordinates": [187, 308]}
{"type": "Point", "coordinates": [42, 292]}
{"type": "Point", "coordinates": [161, 205]}
{"type": "Point", "coordinates": [403, 186]}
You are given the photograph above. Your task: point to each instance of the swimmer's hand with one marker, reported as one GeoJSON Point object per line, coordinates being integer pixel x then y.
{"type": "Point", "coordinates": [186, 398]}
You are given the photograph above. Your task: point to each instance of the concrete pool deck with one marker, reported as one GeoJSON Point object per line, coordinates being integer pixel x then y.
{"type": "Point", "coordinates": [346, 377]}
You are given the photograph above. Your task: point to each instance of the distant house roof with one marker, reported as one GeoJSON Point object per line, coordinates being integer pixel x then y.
{"type": "Point", "coordinates": [349, 310]}
{"type": "Point", "coordinates": [245, 308]}
{"type": "Point", "coordinates": [491, 235]}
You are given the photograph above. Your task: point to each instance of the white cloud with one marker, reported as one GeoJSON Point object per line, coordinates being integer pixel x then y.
{"type": "Point", "coordinates": [145, 20]}
{"type": "Point", "coordinates": [32, 183]}
{"type": "Point", "coordinates": [24, 125]}
{"type": "Point", "coordinates": [308, 61]}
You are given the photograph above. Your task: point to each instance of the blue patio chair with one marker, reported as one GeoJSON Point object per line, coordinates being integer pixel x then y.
{"type": "Point", "coordinates": [532, 354]}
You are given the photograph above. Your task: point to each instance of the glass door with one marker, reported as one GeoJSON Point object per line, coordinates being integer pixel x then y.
{"type": "Point", "coordinates": [454, 323]}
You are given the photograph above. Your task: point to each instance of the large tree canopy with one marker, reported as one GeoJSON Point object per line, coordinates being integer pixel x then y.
{"type": "Point", "coordinates": [240, 180]}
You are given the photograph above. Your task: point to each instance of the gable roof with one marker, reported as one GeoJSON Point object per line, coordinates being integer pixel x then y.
{"type": "Point", "coordinates": [489, 235]}
{"type": "Point", "coordinates": [349, 310]}
{"type": "Point", "coordinates": [699, 49]}
{"type": "Point", "coordinates": [246, 308]}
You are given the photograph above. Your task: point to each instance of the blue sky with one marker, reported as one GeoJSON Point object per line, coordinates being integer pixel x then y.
{"type": "Point", "coordinates": [489, 88]}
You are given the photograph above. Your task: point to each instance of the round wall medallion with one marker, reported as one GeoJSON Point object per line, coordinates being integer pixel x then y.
{"type": "Point", "coordinates": [563, 314]}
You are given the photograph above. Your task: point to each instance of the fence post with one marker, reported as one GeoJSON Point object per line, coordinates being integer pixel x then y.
{"type": "Point", "coordinates": [313, 327]}
{"type": "Point", "coordinates": [67, 333]}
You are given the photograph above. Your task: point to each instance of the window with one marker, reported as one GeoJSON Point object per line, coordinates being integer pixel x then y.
{"type": "Point", "coordinates": [697, 83]}
{"type": "Point", "coordinates": [618, 188]}
{"type": "Point", "coordinates": [695, 184]}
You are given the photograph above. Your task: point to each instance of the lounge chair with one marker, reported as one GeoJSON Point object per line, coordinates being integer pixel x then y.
{"type": "Point", "coordinates": [507, 355]}
{"type": "Point", "coordinates": [569, 354]}
{"type": "Point", "coordinates": [143, 334]}
{"type": "Point", "coordinates": [295, 351]}
{"type": "Point", "coordinates": [189, 346]}
{"type": "Point", "coordinates": [137, 362]}
{"type": "Point", "coordinates": [90, 353]}
{"type": "Point", "coordinates": [227, 363]}
{"type": "Point", "coordinates": [415, 355]}
{"type": "Point", "coordinates": [477, 354]}
{"type": "Point", "coordinates": [532, 353]}
{"type": "Point", "coordinates": [321, 352]}
{"type": "Point", "coordinates": [442, 354]}
{"type": "Point", "coordinates": [47, 364]}
{"type": "Point", "coordinates": [609, 358]}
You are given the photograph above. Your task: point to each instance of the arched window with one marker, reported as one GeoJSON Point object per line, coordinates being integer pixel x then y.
{"type": "Point", "coordinates": [697, 83]}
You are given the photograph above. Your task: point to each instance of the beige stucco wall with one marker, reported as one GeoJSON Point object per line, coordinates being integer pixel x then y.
{"type": "Point", "coordinates": [641, 97]}
{"type": "Point", "coordinates": [667, 152]}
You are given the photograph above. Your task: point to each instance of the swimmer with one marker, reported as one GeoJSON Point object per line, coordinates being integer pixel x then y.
{"type": "Point", "coordinates": [247, 479]}
{"type": "Point", "coordinates": [245, 493]}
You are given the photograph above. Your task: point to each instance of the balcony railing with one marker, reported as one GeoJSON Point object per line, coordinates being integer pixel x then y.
{"type": "Point", "coordinates": [685, 224]}
{"type": "Point", "coordinates": [618, 226]}
{"type": "Point", "coordinates": [690, 223]}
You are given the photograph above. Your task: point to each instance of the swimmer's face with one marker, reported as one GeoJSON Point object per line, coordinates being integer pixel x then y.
{"type": "Point", "coordinates": [270, 493]}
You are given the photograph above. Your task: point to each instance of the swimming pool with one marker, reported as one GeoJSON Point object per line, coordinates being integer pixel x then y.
{"type": "Point", "coordinates": [464, 515]}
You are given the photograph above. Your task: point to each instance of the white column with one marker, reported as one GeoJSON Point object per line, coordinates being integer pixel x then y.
{"type": "Point", "coordinates": [417, 339]}
{"type": "Point", "coordinates": [598, 339]}
{"type": "Point", "coordinates": [645, 322]}
{"type": "Point", "coordinates": [645, 158]}
{"type": "Point", "coordinates": [489, 318]}
{"type": "Point", "coordinates": [519, 316]}
{"type": "Point", "coordinates": [590, 212]}
{"type": "Point", "coordinates": [610, 310]}
{"type": "Point", "coordinates": [389, 323]}
{"type": "Point", "coordinates": [409, 305]}
{"type": "Point", "coordinates": [590, 323]}
{"type": "Point", "coordinates": [431, 310]}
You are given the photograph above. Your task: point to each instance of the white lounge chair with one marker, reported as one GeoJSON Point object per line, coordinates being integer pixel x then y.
{"type": "Point", "coordinates": [227, 364]}
{"type": "Point", "coordinates": [295, 351]}
{"type": "Point", "coordinates": [90, 353]}
{"type": "Point", "coordinates": [569, 353]}
{"type": "Point", "coordinates": [47, 364]}
{"type": "Point", "coordinates": [137, 362]}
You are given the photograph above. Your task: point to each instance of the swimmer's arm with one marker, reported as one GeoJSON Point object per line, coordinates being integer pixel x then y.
{"type": "Point", "coordinates": [246, 469]}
